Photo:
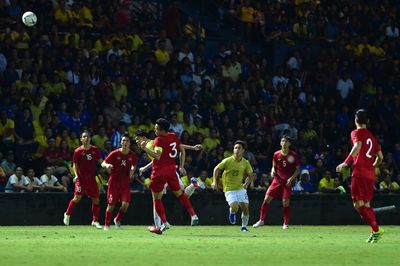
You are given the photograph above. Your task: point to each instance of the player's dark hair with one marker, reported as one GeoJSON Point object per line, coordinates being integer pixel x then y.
{"type": "Point", "coordinates": [288, 138]}
{"type": "Point", "coordinates": [163, 124]}
{"type": "Point", "coordinates": [241, 142]}
{"type": "Point", "coordinates": [87, 132]}
{"type": "Point", "coordinates": [141, 133]}
{"type": "Point", "coordinates": [362, 117]}
{"type": "Point", "coordinates": [125, 135]}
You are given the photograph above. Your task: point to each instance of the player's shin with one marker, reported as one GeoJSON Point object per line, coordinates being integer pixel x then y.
{"type": "Point", "coordinates": [95, 211]}
{"type": "Point", "coordinates": [71, 206]}
{"type": "Point", "coordinates": [374, 225]}
{"type": "Point", "coordinates": [264, 210]}
{"type": "Point", "coordinates": [157, 219]}
{"type": "Point", "coordinates": [107, 221]}
{"type": "Point", "coordinates": [286, 215]}
{"type": "Point", "coordinates": [159, 207]}
{"type": "Point", "coordinates": [186, 203]}
{"type": "Point", "coordinates": [245, 220]}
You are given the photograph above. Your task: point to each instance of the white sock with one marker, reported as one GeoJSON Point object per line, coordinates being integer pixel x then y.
{"type": "Point", "coordinates": [189, 190]}
{"type": "Point", "coordinates": [157, 219]}
{"type": "Point", "coordinates": [245, 220]}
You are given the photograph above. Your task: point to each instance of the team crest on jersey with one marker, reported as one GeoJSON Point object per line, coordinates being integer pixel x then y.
{"type": "Point", "coordinates": [118, 158]}
{"type": "Point", "coordinates": [290, 159]}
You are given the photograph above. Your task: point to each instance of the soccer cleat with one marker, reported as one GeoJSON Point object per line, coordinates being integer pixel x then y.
{"type": "Point", "coordinates": [96, 224]}
{"type": "Point", "coordinates": [377, 235]}
{"type": "Point", "coordinates": [244, 230]}
{"type": "Point", "coordinates": [258, 224]}
{"type": "Point", "coordinates": [117, 223]}
{"type": "Point", "coordinates": [194, 220]}
{"type": "Point", "coordinates": [153, 229]}
{"type": "Point", "coordinates": [232, 218]}
{"type": "Point", "coordinates": [66, 219]}
{"type": "Point", "coordinates": [285, 226]}
{"type": "Point", "coordinates": [106, 228]}
{"type": "Point", "coordinates": [165, 226]}
{"type": "Point", "coordinates": [371, 236]}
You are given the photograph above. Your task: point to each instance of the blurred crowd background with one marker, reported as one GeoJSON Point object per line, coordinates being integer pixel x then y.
{"type": "Point", "coordinates": [218, 70]}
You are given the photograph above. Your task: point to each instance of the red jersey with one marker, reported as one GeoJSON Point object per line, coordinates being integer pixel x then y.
{"type": "Point", "coordinates": [122, 165]}
{"type": "Point", "coordinates": [285, 165]}
{"type": "Point", "coordinates": [86, 161]}
{"type": "Point", "coordinates": [363, 162]}
{"type": "Point", "coordinates": [169, 144]}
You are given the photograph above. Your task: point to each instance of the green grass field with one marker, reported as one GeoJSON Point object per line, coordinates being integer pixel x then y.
{"type": "Point", "coordinates": [202, 245]}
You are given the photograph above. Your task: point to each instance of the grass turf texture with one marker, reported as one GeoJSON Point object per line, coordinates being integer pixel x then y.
{"type": "Point", "coordinates": [202, 245]}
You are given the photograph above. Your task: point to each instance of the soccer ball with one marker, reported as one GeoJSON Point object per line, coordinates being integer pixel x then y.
{"type": "Point", "coordinates": [29, 19]}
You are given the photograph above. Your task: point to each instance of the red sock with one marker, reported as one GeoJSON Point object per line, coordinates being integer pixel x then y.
{"type": "Point", "coordinates": [364, 213]}
{"type": "Point", "coordinates": [374, 225]}
{"type": "Point", "coordinates": [158, 205]}
{"type": "Point", "coordinates": [95, 211]}
{"type": "Point", "coordinates": [286, 215]}
{"type": "Point", "coordinates": [264, 210]}
{"type": "Point", "coordinates": [186, 203]}
{"type": "Point", "coordinates": [119, 215]}
{"type": "Point", "coordinates": [71, 206]}
{"type": "Point", "coordinates": [108, 218]}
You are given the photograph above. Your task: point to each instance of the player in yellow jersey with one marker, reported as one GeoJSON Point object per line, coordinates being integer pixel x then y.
{"type": "Point", "coordinates": [234, 168]}
{"type": "Point", "coordinates": [141, 136]}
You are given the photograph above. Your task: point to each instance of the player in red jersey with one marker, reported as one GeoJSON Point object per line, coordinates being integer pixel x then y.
{"type": "Point", "coordinates": [285, 169]}
{"type": "Point", "coordinates": [84, 167]}
{"type": "Point", "coordinates": [366, 154]}
{"type": "Point", "coordinates": [121, 163]}
{"type": "Point", "coordinates": [166, 148]}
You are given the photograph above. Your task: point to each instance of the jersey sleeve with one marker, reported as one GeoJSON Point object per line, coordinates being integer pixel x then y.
{"type": "Point", "coordinates": [76, 156]}
{"type": "Point", "coordinates": [110, 158]}
{"type": "Point", "coordinates": [13, 180]}
{"type": "Point", "coordinates": [274, 158]}
{"type": "Point", "coordinates": [249, 169]}
{"type": "Point", "coordinates": [222, 164]}
{"type": "Point", "coordinates": [355, 136]}
{"type": "Point", "coordinates": [98, 153]}
{"type": "Point", "coordinates": [157, 144]}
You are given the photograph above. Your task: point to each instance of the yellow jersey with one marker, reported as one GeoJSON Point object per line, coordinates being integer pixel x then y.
{"type": "Point", "coordinates": [234, 171]}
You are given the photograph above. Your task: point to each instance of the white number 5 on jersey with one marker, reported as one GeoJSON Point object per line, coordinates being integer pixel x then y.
{"type": "Point", "coordinates": [174, 152]}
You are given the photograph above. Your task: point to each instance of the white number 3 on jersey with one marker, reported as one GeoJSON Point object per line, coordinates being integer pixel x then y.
{"type": "Point", "coordinates": [174, 152]}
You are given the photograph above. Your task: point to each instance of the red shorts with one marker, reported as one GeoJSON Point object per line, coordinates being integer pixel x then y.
{"type": "Point", "coordinates": [164, 175]}
{"type": "Point", "coordinates": [118, 193]}
{"type": "Point", "coordinates": [278, 190]}
{"type": "Point", "coordinates": [89, 188]}
{"type": "Point", "coordinates": [362, 189]}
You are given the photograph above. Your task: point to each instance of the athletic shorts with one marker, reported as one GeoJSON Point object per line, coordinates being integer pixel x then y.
{"type": "Point", "coordinates": [278, 190]}
{"type": "Point", "coordinates": [239, 195]}
{"type": "Point", "coordinates": [362, 189]}
{"type": "Point", "coordinates": [117, 193]}
{"type": "Point", "coordinates": [164, 175]}
{"type": "Point", "coordinates": [89, 188]}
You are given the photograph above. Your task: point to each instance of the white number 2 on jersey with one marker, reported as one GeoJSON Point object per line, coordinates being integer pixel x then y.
{"type": "Point", "coordinates": [174, 150]}
{"type": "Point", "coordinates": [369, 143]}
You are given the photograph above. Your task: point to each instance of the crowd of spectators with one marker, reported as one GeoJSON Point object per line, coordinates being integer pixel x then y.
{"type": "Point", "coordinates": [102, 66]}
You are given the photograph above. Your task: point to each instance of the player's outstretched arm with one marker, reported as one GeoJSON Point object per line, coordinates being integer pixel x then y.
{"type": "Point", "coordinates": [182, 159]}
{"type": "Point", "coordinates": [353, 153]}
{"type": "Point", "coordinates": [196, 147]}
{"type": "Point", "coordinates": [216, 174]}
{"type": "Point", "coordinates": [378, 159]}
{"type": "Point", "coordinates": [249, 179]}
{"type": "Point", "coordinates": [106, 165]}
{"type": "Point", "coordinates": [156, 154]}
{"type": "Point", "coordinates": [145, 168]}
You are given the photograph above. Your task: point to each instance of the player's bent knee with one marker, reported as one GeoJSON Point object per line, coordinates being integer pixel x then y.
{"type": "Point", "coordinates": [77, 198]}
{"type": "Point", "coordinates": [177, 193]}
{"type": "Point", "coordinates": [286, 203]}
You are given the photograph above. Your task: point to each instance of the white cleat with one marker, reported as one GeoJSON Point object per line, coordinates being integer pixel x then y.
{"type": "Point", "coordinates": [106, 228]}
{"type": "Point", "coordinates": [66, 219]}
{"type": "Point", "coordinates": [165, 227]}
{"type": "Point", "coordinates": [194, 220]}
{"type": "Point", "coordinates": [285, 226]}
{"type": "Point", "coordinates": [258, 224]}
{"type": "Point", "coordinates": [117, 224]}
{"type": "Point", "coordinates": [96, 224]}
